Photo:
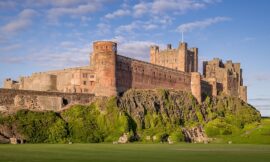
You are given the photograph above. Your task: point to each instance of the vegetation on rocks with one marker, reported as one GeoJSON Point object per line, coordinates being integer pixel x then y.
{"type": "Point", "coordinates": [145, 115]}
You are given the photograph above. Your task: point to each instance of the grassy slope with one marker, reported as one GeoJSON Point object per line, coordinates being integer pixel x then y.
{"type": "Point", "coordinates": [252, 134]}
{"type": "Point", "coordinates": [134, 152]}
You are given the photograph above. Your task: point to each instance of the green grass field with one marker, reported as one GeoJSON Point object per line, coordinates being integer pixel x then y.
{"type": "Point", "coordinates": [134, 153]}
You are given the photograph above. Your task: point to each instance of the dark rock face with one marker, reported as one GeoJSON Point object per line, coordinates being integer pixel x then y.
{"type": "Point", "coordinates": [4, 140]}
{"type": "Point", "coordinates": [177, 105]}
{"type": "Point", "coordinates": [179, 109]}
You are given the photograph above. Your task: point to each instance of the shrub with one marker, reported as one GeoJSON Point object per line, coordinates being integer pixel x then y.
{"type": "Point", "coordinates": [82, 124]}
{"type": "Point", "coordinates": [40, 127]}
{"type": "Point", "coordinates": [219, 127]}
{"type": "Point", "coordinates": [177, 136]}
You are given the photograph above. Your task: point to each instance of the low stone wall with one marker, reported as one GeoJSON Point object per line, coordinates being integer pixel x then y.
{"type": "Point", "coordinates": [11, 99]}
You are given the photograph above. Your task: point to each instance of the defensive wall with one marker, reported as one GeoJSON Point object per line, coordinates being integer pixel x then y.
{"type": "Point", "coordinates": [12, 99]}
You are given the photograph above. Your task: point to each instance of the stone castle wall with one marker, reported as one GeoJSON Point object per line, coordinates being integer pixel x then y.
{"type": "Point", "coordinates": [228, 77]}
{"type": "Point", "coordinates": [181, 58]}
{"type": "Point", "coordinates": [73, 80]}
{"type": "Point", "coordinates": [11, 99]}
{"type": "Point", "coordinates": [131, 73]}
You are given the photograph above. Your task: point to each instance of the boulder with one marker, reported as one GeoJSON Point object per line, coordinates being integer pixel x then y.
{"type": "Point", "coordinates": [123, 139]}
{"type": "Point", "coordinates": [195, 135]}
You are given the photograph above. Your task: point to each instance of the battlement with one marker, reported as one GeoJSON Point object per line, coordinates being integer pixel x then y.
{"type": "Point", "coordinates": [181, 58]}
{"type": "Point", "coordinates": [104, 46]}
{"type": "Point", "coordinates": [228, 74]}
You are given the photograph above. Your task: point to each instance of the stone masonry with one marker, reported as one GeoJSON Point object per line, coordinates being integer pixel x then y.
{"type": "Point", "coordinates": [227, 75]}
{"type": "Point", "coordinates": [12, 100]}
{"type": "Point", "coordinates": [110, 74]}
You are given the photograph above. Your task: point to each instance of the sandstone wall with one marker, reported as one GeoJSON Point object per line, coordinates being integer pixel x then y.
{"type": "Point", "coordinates": [104, 63]}
{"type": "Point", "coordinates": [79, 80]}
{"type": "Point", "coordinates": [180, 58]}
{"type": "Point", "coordinates": [131, 73]}
{"type": "Point", "coordinates": [39, 82]}
{"type": "Point", "coordinates": [11, 99]}
{"type": "Point", "coordinates": [228, 77]}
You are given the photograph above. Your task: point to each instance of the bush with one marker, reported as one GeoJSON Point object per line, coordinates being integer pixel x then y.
{"type": "Point", "coordinates": [82, 124]}
{"type": "Point", "coordinates": [220, 127]}
{"type": "Point", "coordinates": [177, 136]}
{"type": "Point", "coordinates": [40, 127]}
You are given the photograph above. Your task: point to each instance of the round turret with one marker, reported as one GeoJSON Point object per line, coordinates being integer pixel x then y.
{"type": "Point", "coordinates": [105, 46]}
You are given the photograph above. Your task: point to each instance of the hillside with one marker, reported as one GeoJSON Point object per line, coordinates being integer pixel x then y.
{"type": "Point", "coordinates": [139, 115]}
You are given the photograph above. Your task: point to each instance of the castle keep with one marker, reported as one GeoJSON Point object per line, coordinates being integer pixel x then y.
{"type": "Point", "coordinates": [110, 74]}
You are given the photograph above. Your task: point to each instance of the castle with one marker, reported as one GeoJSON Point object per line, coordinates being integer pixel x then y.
{"type": "Point", "coordinates": [110, 74]}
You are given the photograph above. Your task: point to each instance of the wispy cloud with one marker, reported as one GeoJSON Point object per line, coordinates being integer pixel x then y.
{"type": "Point", "coordinates": [201, 24]}
{"type": "Point", "coordinates": [158, 7]}
{"type": "Point", "coordinates": [53, 58]}
{"type": "Point", "coordinates": [103, 28]}
{"type": "Point", "coordinates": [118, 13]}
{"type": "Point", "coordinates": [248, 39]}
{"type": "Point", "coordinates": [143, 25]}
{"type": "Point", "coordinates": [22, 21]}
{"type": "Point", "coordinates": [128, 27]}
{"type": "Point", "coordinates": [260, 99]}
{"type": "Point", "coordinates": [11, 47]}
{"type": "Point", "coordinates": [262, 77]}
{"type": "Point", "coordinates": [55, 13]}
{"type": "Point", "coordinates": [8, 4]}
{"type": "Point", "coordinates": [138, 49]}
{"type": "Point", "coordinates": [141, 8]}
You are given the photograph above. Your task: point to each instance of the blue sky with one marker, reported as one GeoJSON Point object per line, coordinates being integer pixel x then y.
{"type": "Point", "coordinates": [53, 34]}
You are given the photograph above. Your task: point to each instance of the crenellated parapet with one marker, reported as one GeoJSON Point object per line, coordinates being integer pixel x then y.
{"type": "Point", "coordinates": [228, 75]}
{"type": "Point", "coordinates": [181, 58]}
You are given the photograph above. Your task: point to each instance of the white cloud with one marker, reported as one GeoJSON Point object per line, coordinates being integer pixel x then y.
{"type": "Point", "coordinates": [67, 44]}
{"type": "Point", "coordinates": [128, 28]}
{"type": "Point", "coordinates": [137, 25]}
{"type": "Point", "coordinates": [158, 7]}
{"type": "Point", "coordinates": [23, 20]}
{"type": "Point", "coordinates": [150, 26]}
{"type": "Point", "coordinates": [201, 24]}
{"type": "Point", "coordinates": [135, 49]}
{"type": "Point", "coordinates": [55, 13]}
{"type": "Point", "coordinates": [141, 8]}
{"type": "Point", "coordinates": [103, 28]}
{"type": "Point", "coordinates": [180, 6]}
{"type": "Point", "coordinates": [54, 57]}
{"type": "Point", "coordinates": [138, 49]}
{"type": "Point", "coordinates": [55, 3]}
{"type": "Point", "coordinates": [117, 13]}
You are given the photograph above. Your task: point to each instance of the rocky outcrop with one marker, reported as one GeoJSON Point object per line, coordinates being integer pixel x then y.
{"type": "Point", "coordinates": [123, 139]}
{"type": "Point", "coordinates": [173, 104]}
{"type": "Point", "coordinates": [7, 132]}
{"type": "Point", "coordinates": [4, 140]}
{"type": "Point", "coordinates": [195, 135]}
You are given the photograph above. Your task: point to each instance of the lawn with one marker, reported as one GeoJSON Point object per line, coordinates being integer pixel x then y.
{"type": "Point", "coordinates": [134, 153]}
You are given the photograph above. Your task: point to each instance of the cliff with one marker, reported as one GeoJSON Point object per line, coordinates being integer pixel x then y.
{"type": "Point", "coordinates": [139, 115]}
